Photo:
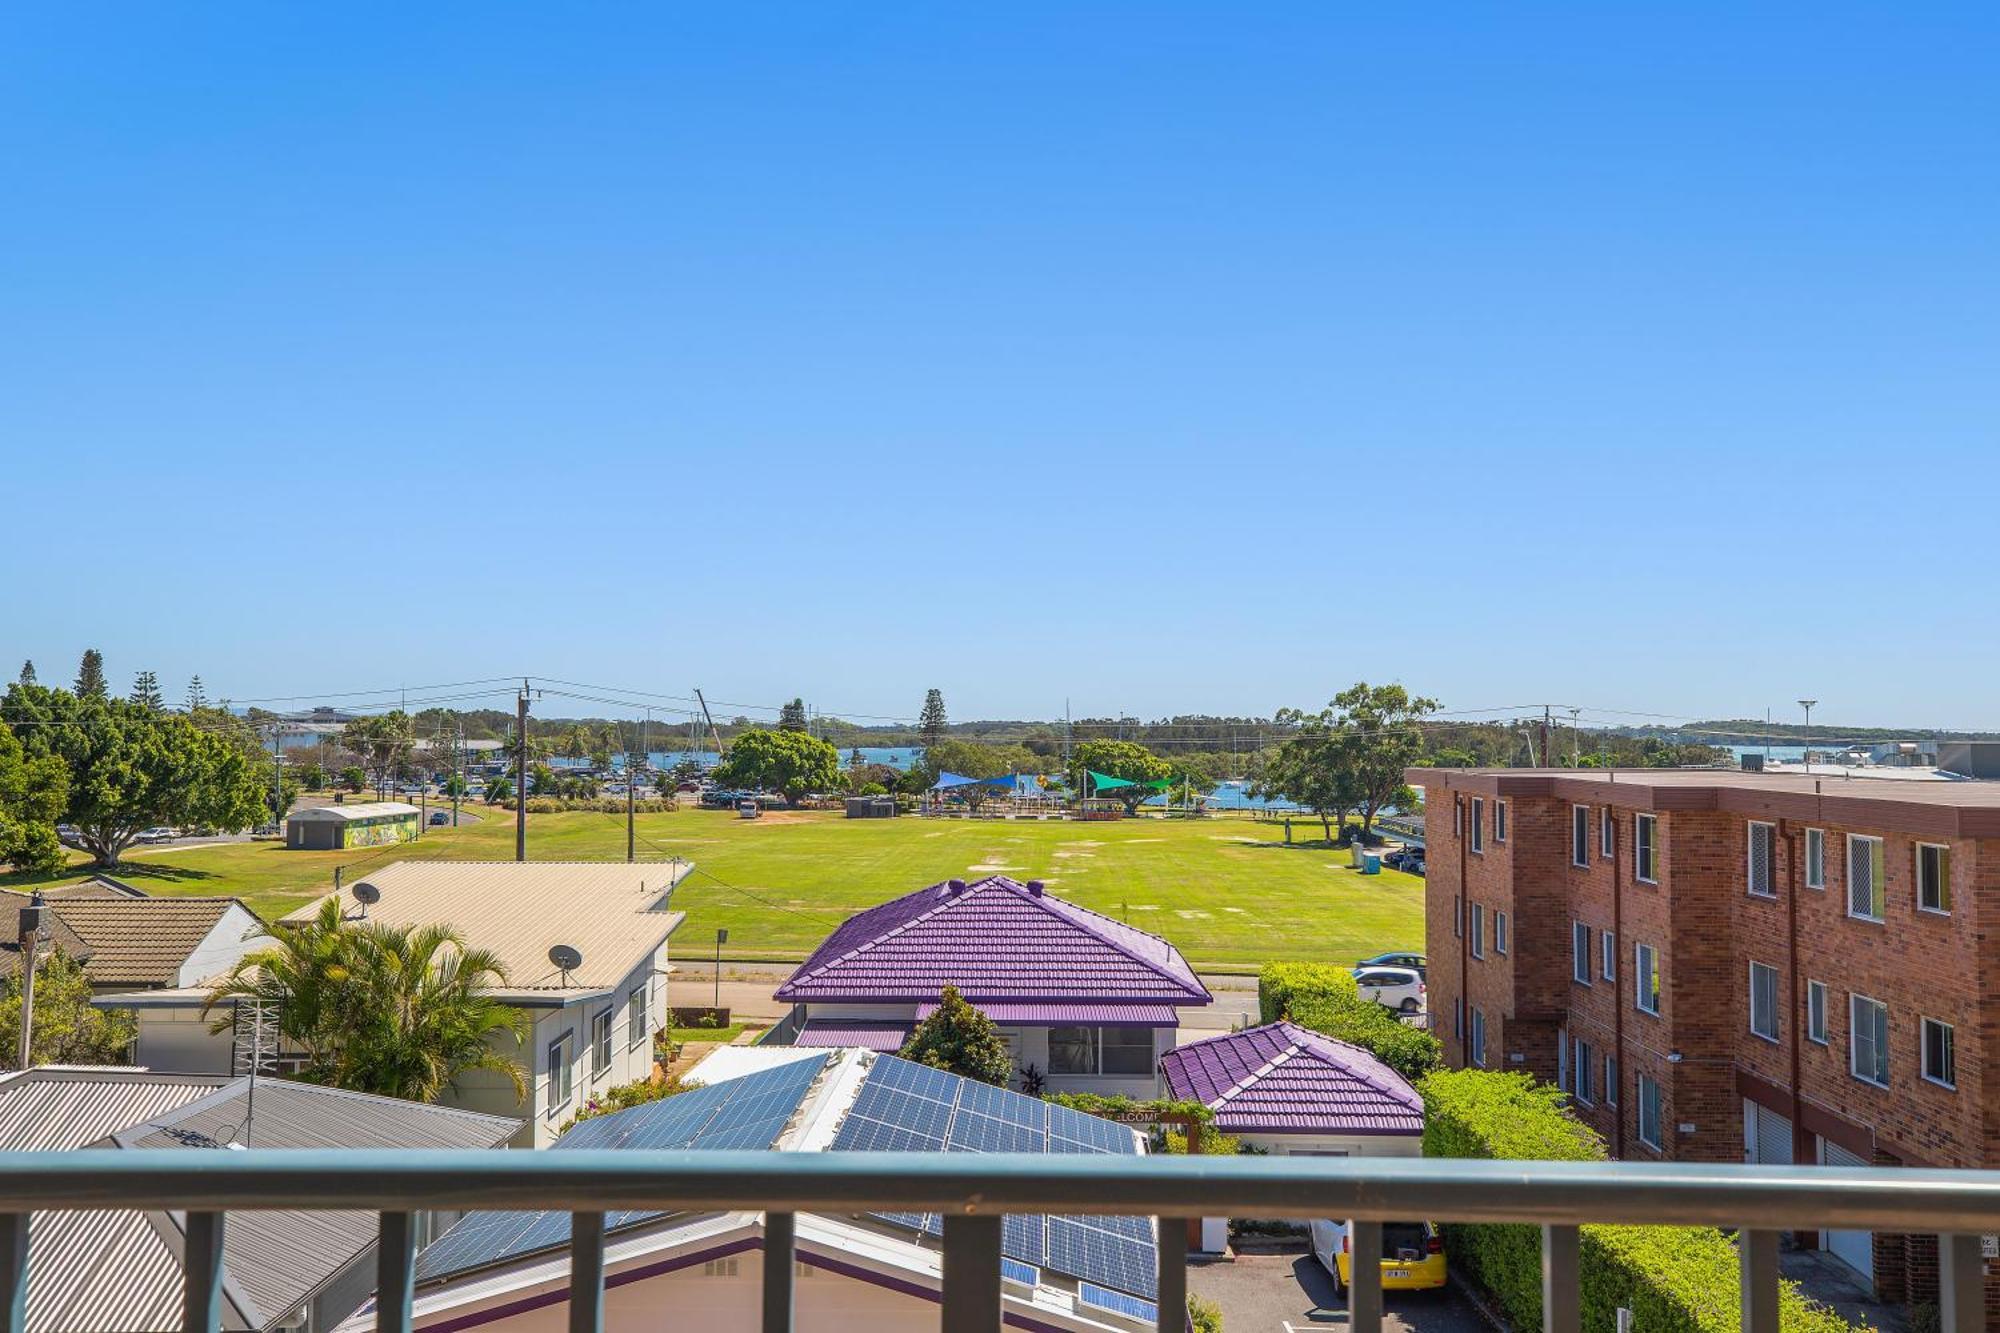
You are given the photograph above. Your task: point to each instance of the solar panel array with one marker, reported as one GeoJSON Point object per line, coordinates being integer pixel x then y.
{"type": "Point", "coordinates": [1105, 1299]}
{"type": "Point", "coordinates": [908, 1107]}
{"type": "Point", "coordinates": [748, 1112]}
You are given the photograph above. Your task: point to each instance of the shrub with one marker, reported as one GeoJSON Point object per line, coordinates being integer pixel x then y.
{"type": "Point", "coordinates": [627, 1095]}
{"type": "Point", "coordinates": [1673, 1279]}
{"type": "Point", "coordinates": [959, 1039]}
{"type": "Point", "coordinates": [1325, 999]}
{"type": "Point", "coordinates": [603, 805]}
{"type": "Point", "coordinates": [1204, 1316]}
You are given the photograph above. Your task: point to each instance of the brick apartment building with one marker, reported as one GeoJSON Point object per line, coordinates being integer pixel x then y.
{"type": "Point", "coordinates": [1724, 966]}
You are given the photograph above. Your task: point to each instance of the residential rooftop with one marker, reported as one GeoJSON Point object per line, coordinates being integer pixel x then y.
{"type": "Point", "coordinates": [125, 941]}
{"type": "Point", "coordinates": [347, 814]}
{"type": "Point", "coordinates": [1284, 1079]}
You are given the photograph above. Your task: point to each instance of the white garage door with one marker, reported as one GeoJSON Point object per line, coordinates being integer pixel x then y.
{"type": "Point", "coordinates": [1767, 1136]}
{"type": "Point", "coordinates": [1854, 1248]}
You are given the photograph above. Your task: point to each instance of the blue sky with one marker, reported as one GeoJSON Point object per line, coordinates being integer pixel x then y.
{"type": "Point", "coordinates": [1164, 358]}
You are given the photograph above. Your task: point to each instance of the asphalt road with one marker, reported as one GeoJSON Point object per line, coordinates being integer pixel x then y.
{"type": "Point", "coordinates": [1290, 1293]}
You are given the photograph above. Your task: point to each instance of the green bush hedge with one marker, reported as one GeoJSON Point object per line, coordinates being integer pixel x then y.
{"type": "Point", "coordinates": [1325, 999]}
{"type": "Point", "coordinates": [1673, 1279]}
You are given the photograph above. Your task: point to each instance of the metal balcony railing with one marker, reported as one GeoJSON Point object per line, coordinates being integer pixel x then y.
{"type": "Point", "coordinates": [973, 1192]}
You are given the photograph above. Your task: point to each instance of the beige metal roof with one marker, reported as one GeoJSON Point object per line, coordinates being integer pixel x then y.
{"type": "Point", "coordinates": [342, 814]}
{"type": "Point", "coordinates": [610, 912]}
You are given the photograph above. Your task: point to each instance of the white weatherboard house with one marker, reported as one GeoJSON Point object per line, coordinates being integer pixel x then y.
{"type": "Point", "coordinates": [592, 1023]}
{"type": "Point", "coordinates": [1086, 1001]}
{"type": "Point", "coordinates": [873, 1273]}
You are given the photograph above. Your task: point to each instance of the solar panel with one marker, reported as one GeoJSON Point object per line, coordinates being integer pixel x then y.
{"type": "Point", "coordinates": [1015, 1271]}
{"type": "Point", "coordinates": [1115, 1251]}
{"type": "Point", "coordinates": [1106, 1299]}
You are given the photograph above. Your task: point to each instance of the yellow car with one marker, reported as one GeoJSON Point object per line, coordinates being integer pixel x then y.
{"type": "Point", "coordinates": [1412, 1254]}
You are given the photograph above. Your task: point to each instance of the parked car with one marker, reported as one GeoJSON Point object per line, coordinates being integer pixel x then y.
{"type": "Point", "coordinates": [440, 817]}
{"type": "Point", "coordinates": [1413, 961]}
{"type": "Point", "coordinates": [1407, 858]}
{"type": "Point", "coordinates": [1392, 987]}
{"type": "Point", "coordinates": [1412, 1254]}
{"type": "Point", "coordinates": [157, 833]}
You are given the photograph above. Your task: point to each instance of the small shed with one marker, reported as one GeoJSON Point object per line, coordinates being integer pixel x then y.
{"type": "Point", "coordinates": [331, 828]}
{"type": "Point", "coordinates": [871, 807]}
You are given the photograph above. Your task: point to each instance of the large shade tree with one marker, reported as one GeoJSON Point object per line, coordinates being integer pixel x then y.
{"type": "Point", "coordinates": [791, 762]}
{"type": "Point", "coordinates": [959, 1039]}
{"type": "Point", "coordinates": [1313, 770]}
{"type": "Point", "coordinates": [68, 1029]}
{"type": "Point", "coordinates": [33, 794]}
{"type": "Point", "coordinates": [400, 1011]}
{"type": "Point", "coordinates": [131, 768]}
{"type": "Point", "coordinates": [1129, 760]}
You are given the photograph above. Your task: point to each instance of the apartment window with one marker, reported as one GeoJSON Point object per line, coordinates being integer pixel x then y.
{"type": "Point", "coordinates": [1478, 824]}
{"type": "Point", "coordinates": [1646, 978]}
{"type": "Point", "coordinates": [1579, 953]}
{"type": "Point", "coordinates": [1478, 924]}
{"type": "Point", "coordinates": [1607, 833]}
{"type": "Point", "coordinates": [1865, 897]}
{"type": "Point", "coordinates": [1815, 858]}
{"type": "Point", "coordinates": [562, 1077]}
{"type": "Point", "coordinates": [1499, 821]}
{"type": "Point", "coordinates": [1649, 1112]}
{"type": "Point", "coordinates": [1764, 1001]}
{"type": "Point", "coordinates": [1500, 932]}
{"type": "Point", "coordinates": [1607, 956]}
{"type": "Point", "coordinates": [1579, 835]}
{"type": "Point", "coordinates": [1611, 1080]}
{"type": "Point", "coordinates": [1457, 818]}
{"type": "Point", "coordinates": [1868, 1040]}
{"type": "Point", "coordinates": [1562, 1060]}
{"type": "Point", "coordinates": [600, 1044]}
{"type": "Point", "coordinates": [1457, 917]}
{"type": "Point", "coordinates": [638, 1023]}
{"type": "Point", "coordinates": [1478, 1038]}
{"type": "Point", "coordinates": [1757, 870]}
{"type": "Point", "coordinates": [1940, 1062]}
{"type": "Point", "coordinates": [1645, 855]}
{"type": "Point", "coordinates": [1458, 1017]}
{"type": "Point", "coordinates": [1584, 1062]}
{"type": "Point", "coordinates": [1933, 877]}
{"type": "Point", "coordinates": [1100, 1050]}
{"type": "Point", "coordinates": [1816, 1012]}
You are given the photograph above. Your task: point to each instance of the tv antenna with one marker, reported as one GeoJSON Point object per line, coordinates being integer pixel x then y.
{"type": "Point", "coordinates": [566, 959]}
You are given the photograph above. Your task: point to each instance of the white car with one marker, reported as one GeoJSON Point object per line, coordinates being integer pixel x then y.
{"type": "Point", "coordinates": [158, 833]}
{"type": "Point", "coordinates": [1400, 988]}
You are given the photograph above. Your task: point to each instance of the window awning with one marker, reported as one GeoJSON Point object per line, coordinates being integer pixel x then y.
{"type": "Point", "coordinates": [885, 1037]}
{"type": "Point", "coordinates": [1071, 1014]}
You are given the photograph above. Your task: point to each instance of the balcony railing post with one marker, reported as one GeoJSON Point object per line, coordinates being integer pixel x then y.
{"type": "Point", "coordinates": [971, 1273]}
{"type": "Point", "coordinates": [395, 1272]}
{"type": "Point", "coordinates": [1172, 1292]}
{"type": "Point", "coordinates": [13, 1272]}
{"type": "Point", "coordinates": [1961, 1285]}
{"type": "Point", "coordinates": [1364, 1277]}
{"type": "Point", "coordinates": [1757, 1258]}
{"type": "Point", "coordinates": [1562, 1310]}
{"type": "Point", "coordinates": [201, 1310]}
{"type": "Point", "coordinates": [780, 1266]}
{"type": "Point", "coordinates": [586, 1273]}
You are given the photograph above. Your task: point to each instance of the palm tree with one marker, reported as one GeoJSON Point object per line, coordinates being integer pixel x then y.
{"type": "Point", "coordinates": [395, 1010]}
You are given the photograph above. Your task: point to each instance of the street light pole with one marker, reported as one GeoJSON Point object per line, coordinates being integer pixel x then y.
{"type": "Point", "coordinates": [1807, 704]}
{"type": "Point", "coordinates": [31, 938]}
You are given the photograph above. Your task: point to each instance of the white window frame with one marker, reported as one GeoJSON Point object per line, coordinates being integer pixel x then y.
{"type": "Point", "coordinates": [1477, 920]}
{"type": "Point", "coordinates": [1562, 1059]}
{"type": "Point", "coordinates": [1499, 820]}
{"type": "Point", "coordinates": [1924, 1052]}
{"type": "Point", "coordinates": [1583, 1062]}
{"type": "Point", "coordinates": [1458, 818]}
{"type": "Point", "coordinates": [1771, 1011]}
{"type": "Point", "coordinates": [1607, 833]}
{"type": "Point", "coordinates": [1607, 955]}
{"type": "Point", "coordinates": [600, 1043]}
{"type": "Point", "coordinates": [1579, 953]}
{"type": "Point", "coordinates": [1872, 848]}
{"type": "Point", "coordinates": [639, 1014]}
{"type": "Point", "coordinates": [1816, 1002]}
{"type": "Point", "coordinates": [1458, 1018]}
{"type": "Point", "coordinates": [1610, 1080]}
{"type": "Point", "coordinates": [1646, 848]}
{"type": "Point", "coordinates": [1855, 1001]}
{"type": "Point", "coordinates": [1770, 832]}
{"type": "Point", "coordinates": [562, 1072]}
{"type": "Point", "coordinates": [1479, 825]}
{"type": "Point", "coordinates": [1479, 1038]}
{"type": "Point", "coordinates": [1458, 916]}
{"type": "Point", "coordinates": [1648, 1091]}
{"type": "Point", "coordinates": [1815, 875]}
{"type": "Point", "coordinates": [1579, 835]}
{"type": "Point", "coordinates": [1646, 979]}
{"type": "Point", "coordinates": [1500, 933]}
{"type": "Point", "coordinates": [1944, 881]}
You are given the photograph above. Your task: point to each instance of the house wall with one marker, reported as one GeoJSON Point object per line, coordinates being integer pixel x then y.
{"type": "Point", "coordinates": [177, 1041]}
{"type": "Point", "coordinates": [238, 932]}
{"type": "Point", "coordinates": [1030, 1045]}
{"type": "Point", "coordinates": [1341, 1145]}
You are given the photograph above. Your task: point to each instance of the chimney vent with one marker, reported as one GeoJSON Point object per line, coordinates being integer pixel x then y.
{"type": "Point", "coordinates": [954, 886]}
{"type": "Point", "coordinates": [1035, 888]}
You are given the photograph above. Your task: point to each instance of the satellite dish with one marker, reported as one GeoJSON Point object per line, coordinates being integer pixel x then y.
{"type": "Point", "coordinates": [565, 958]}
{"type": "Point", "coordinates": [367, 894]}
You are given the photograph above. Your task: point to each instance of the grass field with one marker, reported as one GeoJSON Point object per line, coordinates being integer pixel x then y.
{"type": "Point", "coordinates": [1226, 891]}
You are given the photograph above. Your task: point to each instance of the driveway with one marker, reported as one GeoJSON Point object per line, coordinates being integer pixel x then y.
{"type": "Point", "coordinates": [1288, 1292]}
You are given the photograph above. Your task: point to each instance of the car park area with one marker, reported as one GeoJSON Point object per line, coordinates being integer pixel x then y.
{"type": "Point", "coordinates": [1283, 1289]}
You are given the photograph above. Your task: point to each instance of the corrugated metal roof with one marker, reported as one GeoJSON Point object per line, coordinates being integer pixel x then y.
{"type": "Point", "coordinates": [1282, 1078]}
{"type": "Point", "coordinates": [996, 940]}
{"type": "Point", "coordinates": [132, 941]}
{"type": "Point", "coordinates": [519, 909]}
{"type": "Point", "coordinates": [1144, 1015]}
{"type": "Point", "coordinates": [825, 1032]}
{"type": "Point", "coordinates": [343, 814]}
{"type": "Point", "coordinates": [55, 1109]}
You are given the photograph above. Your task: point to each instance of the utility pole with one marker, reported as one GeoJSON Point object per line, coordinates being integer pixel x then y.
{"type": "Point", "coordinates": [31, 938]}
{"type": "Point", "coordinates": [1807, 704]}
{"type": "Point", "coordinates": [1548, 754]}
{"type": "Point", "coordinates": [631, 781]}
{"type": "Point", "coordinates": [457, 766]}
{"type": "Point", "coordinates": [521, 773]}
{"type": "Point", "coordinates": [1575, 738]}
{"type": "Point", "coordinates": [277, 777]}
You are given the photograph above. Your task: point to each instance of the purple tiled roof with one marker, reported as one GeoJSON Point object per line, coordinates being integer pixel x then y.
{"type": "Point", "coordinates": [888, 1037]}
{"type": "Point", "coordinates": [1285, 1079]}
{"type": "Point", "coordinates": [1057, 1015]}
{"type": "Point", "coordinates": [996, 940]}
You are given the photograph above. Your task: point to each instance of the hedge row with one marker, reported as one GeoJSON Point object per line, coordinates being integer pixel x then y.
{"type": "Point", "coordinates": [1673, 1279]}
{"type": "Point", "coordinates": [1325, 999]}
